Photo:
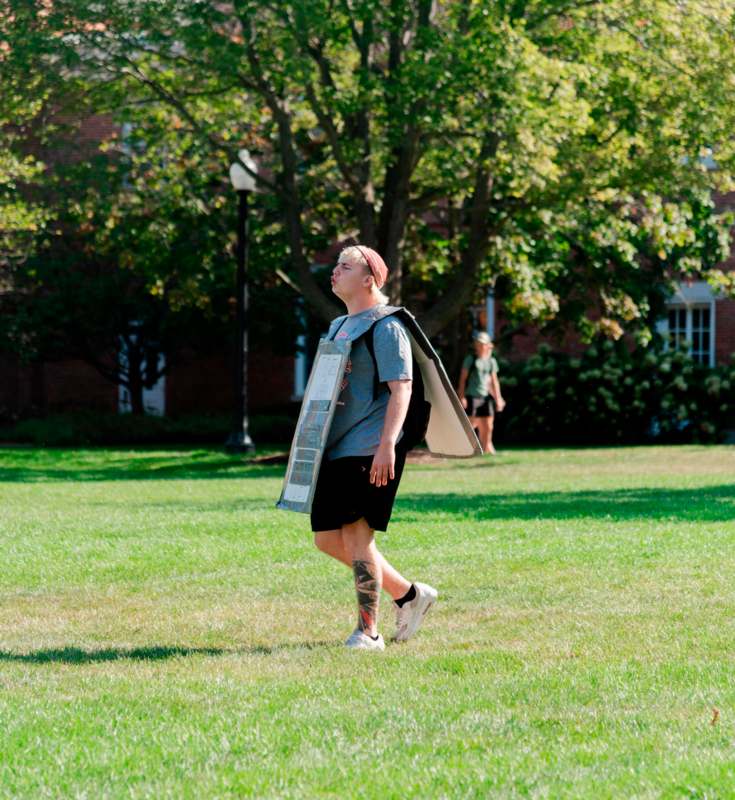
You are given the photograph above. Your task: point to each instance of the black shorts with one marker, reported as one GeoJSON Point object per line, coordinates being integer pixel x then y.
{"type": "Point", "coordinates": [344, 493]}
{"type": "Point", "coordinates": [480, 406]}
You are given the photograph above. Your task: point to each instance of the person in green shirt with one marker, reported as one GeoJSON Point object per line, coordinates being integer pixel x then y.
{"type": "Point", "coordinates": [479, 389]}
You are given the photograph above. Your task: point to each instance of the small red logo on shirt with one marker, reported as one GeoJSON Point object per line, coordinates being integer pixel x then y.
{"type": "Point", "coordinates": [348, 369]}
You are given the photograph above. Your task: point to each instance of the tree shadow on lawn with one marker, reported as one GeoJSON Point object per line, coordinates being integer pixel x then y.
{"type": "Point", "coordinates": [133, 468]}
{"type": "Point", "coordinates": [707, 504]}
{"type": "Point", "coordinates": [77, 655]}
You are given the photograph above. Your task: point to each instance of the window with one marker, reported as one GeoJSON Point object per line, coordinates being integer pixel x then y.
{"type": "Point", "coordinates": [677, 327]}
{"type": "Point", "coordinates": [154, 399]}
{"type": "Point", "coordinates": [701, 331]}
{"type": "Point", "coordinates": [690, 329]}
{"type": "Point", "coordinates": [689, 323]}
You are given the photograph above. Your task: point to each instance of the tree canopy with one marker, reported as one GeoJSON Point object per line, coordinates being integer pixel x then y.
{"type": "Point", "coordinates": [563, 149]}
{"type": "Point", "coordinates": [22, 218]}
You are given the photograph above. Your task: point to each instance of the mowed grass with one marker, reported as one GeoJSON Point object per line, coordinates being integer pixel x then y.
{"type": "Point", "coordinates": [165, 631]}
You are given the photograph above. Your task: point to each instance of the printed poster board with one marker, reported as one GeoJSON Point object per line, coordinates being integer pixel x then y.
{"type": "Point", "coordinates": [312, 429]}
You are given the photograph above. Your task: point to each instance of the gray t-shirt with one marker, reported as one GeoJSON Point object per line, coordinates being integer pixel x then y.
{"type": "Point", "coordinates": [358, 420]}
{"type": "Point", "coordinates": [480, 370]}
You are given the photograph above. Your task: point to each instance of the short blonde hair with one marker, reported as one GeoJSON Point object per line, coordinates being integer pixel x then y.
{"type": "Point", "coordinates": [355, 255]}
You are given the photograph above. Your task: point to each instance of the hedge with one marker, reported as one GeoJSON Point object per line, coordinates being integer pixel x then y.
{"type": "Point", "coordinates": [610, 394]}
{"type": "Point", "coordinates": [614, 394]}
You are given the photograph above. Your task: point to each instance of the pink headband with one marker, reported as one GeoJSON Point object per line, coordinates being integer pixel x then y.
{"type": "Point", "coordinates": [376, 264]}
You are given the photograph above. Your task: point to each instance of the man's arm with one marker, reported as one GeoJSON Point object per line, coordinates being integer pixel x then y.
{"type": "Point", "coordinates": [384, 460]}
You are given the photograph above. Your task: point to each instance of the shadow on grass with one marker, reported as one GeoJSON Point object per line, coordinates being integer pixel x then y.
{"type": "Point", "coordinates": [454, 463]}
{"type": "Point", "coordinates": [76, 655]}
{"type": "Point", "coordinates": [133, 467]}
{"type": "Point", "coordinates": [58, 466]}
{"type": "Point", "coordinates": [707, 504]}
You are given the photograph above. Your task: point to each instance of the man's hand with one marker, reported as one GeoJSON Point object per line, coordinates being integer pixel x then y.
{"type": "Point", "coordinates": [463, 400]}
{"type": "Point", "coordinates": [383, 466]}
{"type": "Point", "coordinates": [500, 404]}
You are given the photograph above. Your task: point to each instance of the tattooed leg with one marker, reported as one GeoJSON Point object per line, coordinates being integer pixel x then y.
{"type": "Point", "coordinates": [332, 543]}
{"type": "Point", "coordinates": [359, 543]}
{"type": "Point", "coordinates": [367, 584]}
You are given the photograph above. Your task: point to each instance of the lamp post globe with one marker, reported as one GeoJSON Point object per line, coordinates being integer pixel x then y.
{"type": "Point", "coordinates": [243, 182]}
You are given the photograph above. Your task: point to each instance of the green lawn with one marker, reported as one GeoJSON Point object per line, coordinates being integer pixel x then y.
{"type": "Point", "coordinates": [166, 632]}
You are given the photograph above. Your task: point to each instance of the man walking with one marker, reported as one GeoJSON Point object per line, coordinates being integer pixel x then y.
{"type": "Point", "coordinates": [364, 459]}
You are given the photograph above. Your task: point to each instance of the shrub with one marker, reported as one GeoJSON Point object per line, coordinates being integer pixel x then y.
{"type": "Point", "coordinates": [613, 394]}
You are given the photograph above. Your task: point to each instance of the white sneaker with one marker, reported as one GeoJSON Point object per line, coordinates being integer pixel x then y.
{"type": "Point", "coordinates": [361, 641]}
{"type": "Point", "coordinates": [410, 616]}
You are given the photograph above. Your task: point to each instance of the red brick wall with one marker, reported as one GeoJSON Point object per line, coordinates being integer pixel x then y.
{"type": "Point", "coordinates": [198, 385]}
{"type": "Point", "coordinates": [723, 202]}
{"type": "Point", "coordinates": [725, 308]}
{"type": "Point", "coordinates": [724, 330]}
{"type": "Point", "coordinates": [75, 385]}
{"type": "Point", "coordinates": [201, 385]}
{"type": "Point", "coordinates": [8, 386]}
{"type": "Point", "coordinates": [59, 386]}
{"type": "Point", "coordinates": [523, 345]}
{"type": "Point", "coordinates": [271, 380]}
{"type": "Point", "coordinates": [91, 133]}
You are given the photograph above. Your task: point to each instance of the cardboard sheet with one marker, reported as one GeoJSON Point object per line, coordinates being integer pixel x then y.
{"type": "Point", "coordinates": [312, 429]}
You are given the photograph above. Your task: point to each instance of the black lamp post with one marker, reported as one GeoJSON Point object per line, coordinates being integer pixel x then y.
{"type": "Point", "coordinates": [243, 182]}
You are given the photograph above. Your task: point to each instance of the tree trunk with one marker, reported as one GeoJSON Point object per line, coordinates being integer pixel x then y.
{"type": "Point", "coordinates": [393, 217]}
{"type": "Point", "coordinates": [312, 293]}
{"type": "Point", "coordinates": [461, 290]}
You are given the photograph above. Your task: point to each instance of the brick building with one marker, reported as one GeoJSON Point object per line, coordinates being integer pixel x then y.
{"type": "Point", "coordinates": [696, 318]}
{"type": "Point", "coordinates": [193, 384]}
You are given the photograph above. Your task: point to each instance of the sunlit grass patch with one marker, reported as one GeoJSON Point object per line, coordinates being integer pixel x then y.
{"type": "Point", "coordinates": [165, 631]}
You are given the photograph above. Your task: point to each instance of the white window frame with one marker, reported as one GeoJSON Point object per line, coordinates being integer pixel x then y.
{"type": "Point", "coordinates": [691, 296]}
{"type": "Point", "coordinates": [299, 369]}
{"type": "Point", "coordinates": [154, 399]}
{"type": "Point", "coordinates": [490, 311]}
